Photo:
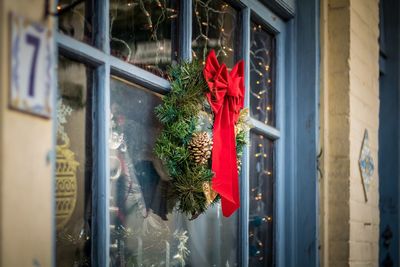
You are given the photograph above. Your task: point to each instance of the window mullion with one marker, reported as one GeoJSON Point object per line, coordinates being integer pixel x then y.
{"type": "Point", "coordinates": [101, 187]}
{"type": "Point", "coordinates": [270, 131]}
{"type": "Point", "coordinates": [281, 186]}
{"type": "Point", "coordinates": [185, 30]}
{"type": "Point", "coordinates": [79, 51]}
{"type": "Point", "coordinates": [101, 117]}
{"type": "Point", "coordinates": [275, 22]}
{"type": "Point", "coordinates": [102, 24]}
{"type": "Point", "coordinates": [138, 75]}
{"type": "Point", "coordinates": [244, 214]}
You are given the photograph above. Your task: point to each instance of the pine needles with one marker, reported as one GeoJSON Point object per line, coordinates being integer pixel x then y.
{"type": "Point", "coordinates": [178, 114]}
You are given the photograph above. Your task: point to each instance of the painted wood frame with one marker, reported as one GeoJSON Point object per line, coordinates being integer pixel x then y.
{"type": "Point", "coordinates": [303, 118]}
{"type": "Point", "coordinates": [255, 11]}
{"type": "Point", "coordinates": [389, 132]}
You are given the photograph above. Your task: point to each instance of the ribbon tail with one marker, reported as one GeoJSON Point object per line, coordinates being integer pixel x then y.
{"type": "Point", "coordinates": [229, 206]}
{"type": "Point", "coordinates": [224, 163]}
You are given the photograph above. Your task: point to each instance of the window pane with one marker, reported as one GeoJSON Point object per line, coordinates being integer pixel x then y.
{"type": "Point", "coordinates": [76, 19]}
{"type": "Point", "coordinates": [262, 75]}
{"type": "Point", "coordinates": [143, 32]}
{"type": "Point", "coordinates": [215, 26]}
{"type": "Point", "coordinates": [261, 200]}
{"type": "Point", "coordinates": [73, 164]}
{"type": "Point", "coordinates": [143, 231]}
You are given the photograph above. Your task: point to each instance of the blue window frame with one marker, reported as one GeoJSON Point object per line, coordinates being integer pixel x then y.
{"type": "Point", "coordinates": [256, 13]}
{"type": "Point", "coordinates": [106, 66]}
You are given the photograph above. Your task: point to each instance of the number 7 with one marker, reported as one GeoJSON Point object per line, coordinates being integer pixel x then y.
{"type": "Point", "coordinates": [35, 42]}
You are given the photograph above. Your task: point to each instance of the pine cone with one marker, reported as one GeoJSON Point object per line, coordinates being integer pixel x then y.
{"type": "Point", "coordinates": [200, 147]}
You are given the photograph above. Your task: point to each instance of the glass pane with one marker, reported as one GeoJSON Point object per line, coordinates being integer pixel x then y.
{"type": "Point", "coordinates": [262, 75]}
{"type": "Point", "coordinates": [215, 26]}
{"type": "Point", "coordinates": [261, 200]}
{"type": "Point", "coordinates": [76, 19]}
{"type": "Point", "coordinates": [143, 33]}
{"type": "Point", "coordinates": [143, 231]}
{"type": "Point", "coordinates": [73, 164]}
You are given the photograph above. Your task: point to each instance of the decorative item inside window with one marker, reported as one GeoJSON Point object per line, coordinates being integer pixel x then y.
{"type": "Point", "coordinates": [75, 18]}
{"type": "Point", "coordinates": [262, 75]}
{"type": "Point", "coordinates": [73, 165]}
{"type": "Point", "coordinates": [261, 200]}
{"type": "Point", "coordinates": [215, 26]}
{"type": "Point", "coordinates": [144, 33]}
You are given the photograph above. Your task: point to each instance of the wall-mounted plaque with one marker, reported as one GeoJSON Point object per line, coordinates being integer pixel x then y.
{"type": "Point", "coordinates": [32, 56]}
{"type": "Point", "coordinates": [366, 163]}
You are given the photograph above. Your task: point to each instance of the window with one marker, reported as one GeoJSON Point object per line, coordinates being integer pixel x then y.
{"type": "Point", "coordinates": [73, 163]}
{"type": "Point", "coordinates": [112, 73]}
{"type": "Point", "coordinates": [75, 19]}
{"type": "Point", "coordinates": [262, 74]}
{"type": "Point", "coordinates": [261, 209]}
{"type": "Point", "coordinates": [214, 27]}
{"type": "Point", "coordinates": [144, 33]}
{"type": "Point", "coordinates": [262, 148]}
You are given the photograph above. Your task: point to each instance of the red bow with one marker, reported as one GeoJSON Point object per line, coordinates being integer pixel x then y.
{"type": "Point", "coordinates": [226, 98]}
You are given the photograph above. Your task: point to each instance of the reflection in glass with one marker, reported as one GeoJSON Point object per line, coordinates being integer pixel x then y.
{"type": "Point", "coordinates": [76, 19]}
{"type": "Point", "coordinates": [262, 75]}
{"type": "Point", "coordinates": [261, 200]}
{"type": "Point", "coordinates": [73, 164]}
{"type": "Point", "coordinates": [143, 231]}
{"type": "Point", "coordinates": [143, 32]}
{"type": "Point", "coordinates": [215, 26]}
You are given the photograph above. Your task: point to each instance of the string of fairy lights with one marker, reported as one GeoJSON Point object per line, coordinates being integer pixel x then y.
{"type": "Point", "coordinates": [213, 33]}
{"type": "Point", "coordinates": [261, 93]}
{"type": "Point", "coordinates": [157, 50]}
{"type": "Point", "coordinates": [261, 74]}
{"type": "Point", "coordinates": [258, 213]}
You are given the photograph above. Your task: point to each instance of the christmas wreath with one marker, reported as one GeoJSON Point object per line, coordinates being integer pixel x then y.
{"type": "Point", "coordinates": [205, 128]}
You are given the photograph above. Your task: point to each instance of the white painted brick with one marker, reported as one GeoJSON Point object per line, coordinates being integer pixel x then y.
{"type": "Point", "coordinates": [356, 188]}
{"type": "Point", "coordinates": [367, 32]}
{"type": "Point", "coordinates": [361, 264]}
{"type": "Point", "coordinates": [362, 112]}
{"type": "Point", "coordinates": [369, 91]}
{"type": "Point", "coordinates": [360, 212]}
{"type": "Point", "coordinates": [360, 22]}
{"type": "Point", "coordinates": [360, 251]}
{"type": "Point", "coordinates": [364, 72]}
{"type": "Point", "coordinates": [360, 232]}
{"type": "Point", "coordinates": [368, 15]}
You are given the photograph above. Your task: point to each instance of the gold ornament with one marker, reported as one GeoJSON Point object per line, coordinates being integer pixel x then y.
{"type": "Point", "coordinates": [66, 165]}
{"type": "Point", "coordinates": [243, 123]}
{"type": "Point", "coordinates": [200, 147]}
{"type": "Point", "coordinates": [209, 193]}
{"type": "Point", "coordinates": [66, 184]}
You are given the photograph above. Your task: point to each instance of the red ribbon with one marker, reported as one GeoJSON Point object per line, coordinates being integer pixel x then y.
{"type": "Point", "coordinates": [226, 98]}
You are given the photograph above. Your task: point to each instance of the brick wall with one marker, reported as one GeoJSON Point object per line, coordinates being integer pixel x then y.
{"type": "Point", "coordinates": [364, 114]}
{"type": "Point", "coordinates": [350, 104]}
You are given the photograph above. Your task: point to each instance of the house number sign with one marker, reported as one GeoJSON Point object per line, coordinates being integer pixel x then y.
{"type": "Point", "coordinates": [31, 67]}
